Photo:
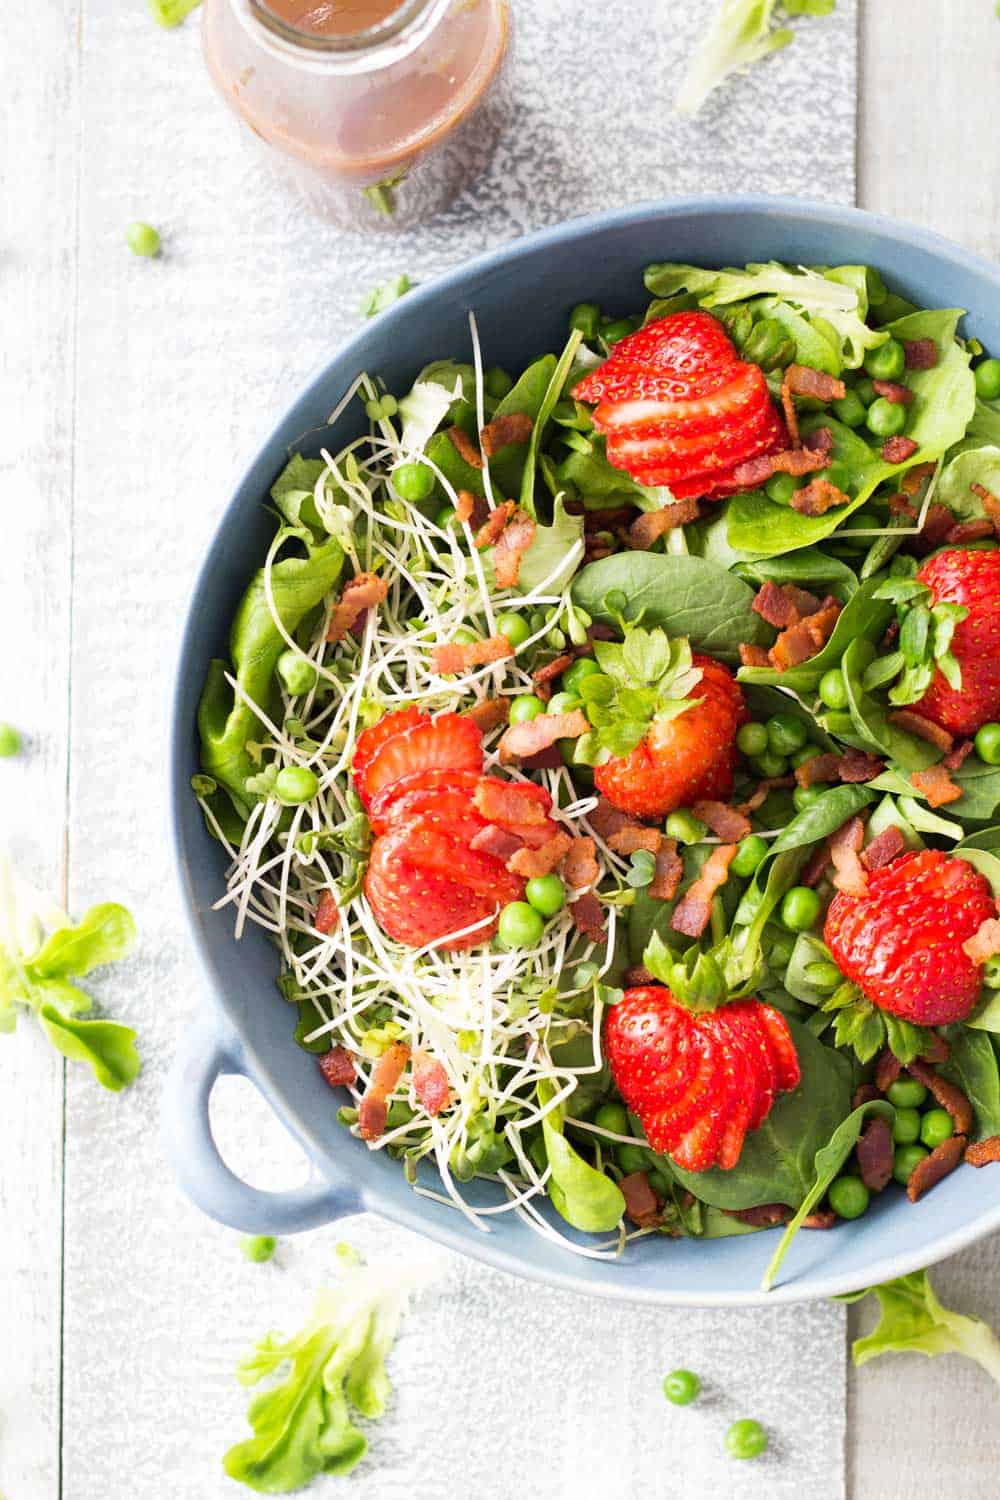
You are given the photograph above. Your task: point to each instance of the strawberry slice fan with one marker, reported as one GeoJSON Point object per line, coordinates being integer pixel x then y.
{"type": "Point", "coordinates": [679, 408]}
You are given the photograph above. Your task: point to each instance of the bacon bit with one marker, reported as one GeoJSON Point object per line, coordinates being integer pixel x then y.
{"type": "Point", "coordinates": [913, 478]}
{"type": "Point", "coordinates": [819, 441]}
{"type": "Point", "coordinates": [514, 427]}
{"type": "Point", "coordinates": [816, 866]}
{"type": "Point", "coordinates": [969, 531]}
{"type": "Point", "coordinates": [753, 656]}
{"type": "Point", "coordinates": [327, 918]}
{"type": "Point", "coordinates": [874, 1151]}
{"type": "Point", "coordinates": [820, 1218]}
{"type": "Point", "coordinates": [641, 1203]}
{"type": "Point", "coordinates": [465, 506]}
{"type": "Point", "coordinates": [984, 1152]}
{"type": "Point", "coordinates": [900, 506]}
{"type": "Point", "coordinates": [924, 729]}
{"type": "Point", "coordinates": [937, 1052]}
{"type": "Point", "coordinates": [801, 642]}
{"type": "Point", "coordinates": [430, 1082]}
{"type": "Point", "coordinates": [499, 842]}
{"type": "Point", "coordinates": [891, 635]}
{"type": "Point", "coordinates": [896, 450]}
{"type": "Point", "coordinates": [724, 821]}
{"type": "Point", "coordinates": [817, 497]}
{"type": "Point", "coordinates": [457, 658]}
{"type": "Point", "coordinates": [669, 872]}
{"type": "Point", "coordinates": [634, 836]}
{"type": "Point", "coordinates": [783, 605]}
{"type": "Point", "coordinates": [858, 766]}
{"type": "Point", "coordinates": [546, 760]}
{"type": "Point", "coordinates": [929, 1172]}
{"type": "Point", "coordinates": [533, 735]}
{"type": "Point", "coordinates": [489, 533]}
{"type": "Point", "coordinates": [588, 917]}
{"type": "Point", "coordinates": [386, 1073]}
{"type": "Point", "coordinates": [694, 910]}
{"type": "Point", "coordinates": [606, 819]}
{"type": "Point", "coordinates": [937, 524]}
{"type": "Point", "coordinates": [894, 393]}
{"type": "Point", "coordinates": [947, 1094]}
{"type": "Point", "coordinates": [337, 1067]}
{"type": "Point", "coordinates": [509, 804]}
{"type": "Point", "coordinates": [882, 850]}
{"type": "Point", "coordinates": [983, 944]}
{"type": "Point", "coordinates": [514, 541]}
{"type": "Point", "coordinates": [887, 1070]}
{"type": "Point", "coordinates": [822, 767]}
{"type": "Point", "coordinates": [541, 861]}
{"type": "Point", "coordinates": [845, 845]}
{"type": "Point", "coordinates": [580, 868]}
{"type": "Point", "coordinates": [465, 447]}
{"type": "Point", "coordinates": [553, 668]}
{"type": "Point", "coordinates": [795, 461]}
{"type": "Point", "coordinates": [763, 791]}
{"type": "Point", "coordinates": [360, 593]}
{"type": "Point", "coordinates": [991, 504]}
{"type": "Point", "coordinates": [489, 713]}
{"type": "Point", "coordinates": [656, 523]}
{"type": "Point", "coordinates": [638, 976]}
{"type": "Point", "coordinates": [800, 380]}
{"type": "Point", "coordinates": [921, 354]}
{"type": "Point", "coordinates": [763, 1216]}
{"type": "Point", "coordinates": [936, 785]}
{"type": "Point", "coordinates": [958, 756]}
{"type": "Point", "coordinates": [865, 1093]}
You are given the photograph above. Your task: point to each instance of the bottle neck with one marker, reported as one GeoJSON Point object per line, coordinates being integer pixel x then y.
{"type": "Point", "coordinates": [349, 36]}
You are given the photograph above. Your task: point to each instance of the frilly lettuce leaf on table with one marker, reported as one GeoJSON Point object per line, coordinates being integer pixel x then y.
{"type": "Point", "coordinates": [742, 33]}
{"type": "Point", "coordinates": [914, 1321]}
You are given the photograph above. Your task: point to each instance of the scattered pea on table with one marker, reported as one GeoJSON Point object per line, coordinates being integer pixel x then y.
{"type": "Point", "coordinates": [746, 1439]}
{"type": "Point", "coordinates": [681, 1387]}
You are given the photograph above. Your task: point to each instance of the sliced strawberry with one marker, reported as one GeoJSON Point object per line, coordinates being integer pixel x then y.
{"type": "Point", "coordinates": [733, 1136]}
{"type": "Point", "coordinates": [727, 1025]}
{"type": "Point", "coordinates": [745, 1018]}
{"type": "Point", "coordinates": [698, 1148]}
{"type": "Point", "coordinates": [430, 847]}
{"type": "Point", "coordinates": [682, 457]}
{"type": "Point", "coordinates": [744, 393]}
{"type": "Point", "coordinates": [715, 485]}
{"type": "Point", "coordinates": [370, 741]}
{"type": "Point", "coordinates": [701, 1092]}
{"type": "Point", "coordinates": [418, 906]}
{"type": "Point", "coordinates": [782, 1047]}
{"type": "Point", "coordinates": [683, 345]}
{"type": "Point", "coordinates": [615, 382]}
{"type": "Point", "coordinates": [415, 793]}
{"type": "Point", "coordinates": [449, 742]}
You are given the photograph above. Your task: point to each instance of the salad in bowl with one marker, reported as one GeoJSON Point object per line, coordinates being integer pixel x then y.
{"type": "Point", "coordinates": [611, 747]}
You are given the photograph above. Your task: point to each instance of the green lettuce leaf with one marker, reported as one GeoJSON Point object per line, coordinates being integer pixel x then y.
{"type": "Point", "coordinates": [741, 34]}
{"type": "Point", "coordinates": [584, 1197]}
{"type": "Point", "coordinates": [913, 1321]}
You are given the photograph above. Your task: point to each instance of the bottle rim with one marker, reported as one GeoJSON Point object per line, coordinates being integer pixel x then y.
{"type": "Point", "coordinates": [389, 40]}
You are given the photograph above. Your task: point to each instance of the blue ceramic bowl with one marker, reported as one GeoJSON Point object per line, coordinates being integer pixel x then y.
{"type": "Point", "coordinates": [521, 294]}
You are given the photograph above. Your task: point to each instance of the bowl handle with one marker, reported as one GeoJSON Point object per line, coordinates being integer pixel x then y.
{"type": "Point", "coordinates": [204, 1054]}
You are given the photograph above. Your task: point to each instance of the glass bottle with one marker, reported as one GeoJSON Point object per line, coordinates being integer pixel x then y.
{"type": "Point", "coordinates": [377, 111]}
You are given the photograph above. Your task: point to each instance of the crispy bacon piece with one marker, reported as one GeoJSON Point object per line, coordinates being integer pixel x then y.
{"type": "Point", "coordinates": [762, 791]}
{"type": "Point", "coordinates": [641, 1203]}
{"type": "Point", "coordinates": [802, 641]}
{"type": "Point", "coordinates": [337, 1067]}
{"type": "Point", "coordinates": [820, 440]}
{"type": "Point", "coordinates": [820, 1218]}
{"type": "Point", "coordinates": [489, 533]}
{"type": "Point", "coordinates": [580, 868]}
{"type": "Point", "coordinates": [430, 1082]}
{"type": "Point", "coordinates": [510, 804]}
{"type": "Point", "coordinates": [900, 506]}
{"type": "Point", "coordinates": [634, 836]}
{"type": "Point", "coordinates": [541, 861]}
{"type": "Point", "coordinates": [983, 1152]}
{"type": "Point", "coordinates": [782, 604]}
{"type": "Point", "coordinates": [924, 729]}
{"type": "Point", "coordinates": [858, 766]}
{"type": "Point", "coordinates": [651, 525]}
{"type": "Point", "coordinates": [957, 757]}
{"type": "Point", "coordinates": [365, 591]}
{"type": "Point", "coordinates": [327, 918]}
{"type": "Point", "coordinates": [762, 1216]}
{"type": "Point", "coordinates": [911, 481]}
{"type": "Point", "coordinates": [694, 910]}
{"type": "Point", "coordinates": [726, 822]}
{"type": "Point", "coordinates": [553, 668]}
{"type": "Point", "coordinates": [489, 713]}
{"type": "Point", "coordinates": [753, 656]}
{"type": "Point", "coordinates": [385, 1075]}
{"type": "Point", "coordinates": [983, 944]}
{"type": "Point", "coordinates": [800, 380]}
{"type": "Point", "coordinates": [874, 1150]}
{"type": "Point", "coordinates": [822, 767]}
{"type": "Point", "coordinates": [514, 427]}
{"type": "Point", "coordinates": [865, 1093]}
{"type": "Point", "coordinates": [637, 976]}
{"type": "Point", "coordinates": [894, 393]}
{"type": "Point", "coordinates": [669, 872]}
{"type": "Point", "coordinates": [549, 759]}
{"type": "Point", "coordinates": [991, 504]}
{"type": "Point", "coordinates": [845, 846]}
{"type": "Point", "coordinates": [588, 917]}
{"type": "Point", "coordinates": [883, 849]}
{"type": "Point", "coordinates": [498, 842]}
{"type": "Point", "coordinates": [817, 497]}
{"type": "Point", "coordinates": [896, 450]}
{"type": "Point", "coordinates": [472, 510]}
{"type": "Point", "coordinates": [938, 1050]}
{"type": "Point", "coordinates": [513, 542]}
{"type": "Point", "coordinates": [936, 785]}
{"type": "Point", "coordinates": [465, 447]}
{"type": "Point", "coordinates": [606, 819]}
{"type": "Point", "coordinates": [921, 354]}
{"type": "Point", "coordinates": [937, 524]}
{"type": "Point", "coordinates": [948, 1095]}
{"type": "Point", "coordinates": [459, 658]}
{"type": "Point", "coordinates": [929, 1172]}
{"type": "Point", "coordinates": [816, 865]}
{"type": "Point", "coordinates": [795, 461]}
{"type": "Point", "coordinates": [969, 531]}
{"type": "Point", "coordinates": [533, 735]}
{"type": "Point", "coordinates": [887, 1070]}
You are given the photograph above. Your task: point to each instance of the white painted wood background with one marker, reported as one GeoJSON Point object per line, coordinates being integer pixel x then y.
{"type": "Point", "coordinates": [111, 1374]}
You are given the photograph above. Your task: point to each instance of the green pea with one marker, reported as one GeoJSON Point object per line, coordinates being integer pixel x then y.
{"type": "Point", "coordinates": [613, 1118]}
{"type": "Point", "coordinates": [850, 409]}
{"type": "Point", "coordinates": [905, 1161]}
{"type": "Point", "coordinates": [785, 734]}
{"type": "Point", "coordinates": [463, 636]}
{"type": "Point", "coordinates": [808, 752]}
{"type": "Point", "coordinates": [258, 1247]}
{"type": "Point", "coordinates": [681, 1387]}
{"type": "Point", "coordinates": [546, 893]}
{"type": "Point", "coordinates": [586, 316]}
{"type": "Point", "coordinates": [799, 908]}
{"type": "Point", "coordinates": [573, 676]}
{"type": "Point", "coordinates": [520, 925]}
{"type": "Point", "coordinates": [746, 1439]}
{"type": "Point", "coordinates": [749, 853]}
{"type": "Point", "coordinates": [906, 1127]}
{"type": "Point", "coordinates": [298, 675]}
{"type": "Point", "coordinates": [833, 688]}
{"type": "Point", "coordinates": [770, 765]}
{"type": "Point", "coordinates": [780, 488]}
{"type": "Point", "coordinates": [885, 419]}
{"type": "Point", "coordinates": [936, 1127]}
{"type": "Point", "coordinates": [563, 703]}
{"type": "Point", "coordinates": [887, 362]}
{"type": "Point", "coordinates": [751, 739]}
{"type": "Point", "coordinates": [613, 333]}
{"type": "Point", "coordinates": [10, 741]}
{"type": "Point", "coordinates": [865, 392]}
{"type": "Point", "coordinates": [906, 1093]}
{"type": "Point", "coordinates": [497, 383]}
{"type": "Point", "coordinates": [805, 796]}
{"type": "Point", "coordinates": [988, 379]}
{"type": "Point", "coordinates": [988, 744]}
{"type": "Point", "coordinates": [848, 1197]}
{"type": "Point", "coordinates": [413, 481]}
{"type": "Point", "coordinates": [445, 517]}
{"type": "Point", "coordinates": [142, 239]}
{"type": "Point", "coordinates": [526, 707]}
{"type": "Point", "coordinates": [684, 827]}
{"type": "Point", "coordinates": [631, 1159]}
{"type": "Point", "coordinates": [515, 627]}
{"type": "Point", "coordinates": [296, 784]}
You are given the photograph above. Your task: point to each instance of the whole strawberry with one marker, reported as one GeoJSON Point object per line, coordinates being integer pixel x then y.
{"type": "Point", "coordinates": [698, 1082]}
{"type": "Point", "coordinates": [972, 580]}
{"type": "Point", "coordinates": [901, 942]}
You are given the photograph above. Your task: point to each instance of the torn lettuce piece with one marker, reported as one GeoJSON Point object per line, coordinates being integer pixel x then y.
{"type": "Point", "coordinates": [423, 410]}
{"type": "Point", "coordinates": [381, 297]}
{"type": "Point", "coordinates": [914, 1321]}
{"type": "Point", "coordinates": [741, 34]}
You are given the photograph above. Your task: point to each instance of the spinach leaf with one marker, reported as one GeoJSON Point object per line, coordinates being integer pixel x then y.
{"type": "Point", "coordinates": [553, 391]}
{"type": "Point", "coordinates": [686, 596]}
{"type": "Point", "coordinates": [913, 1320]}
{"type": "Point", "coordinates": [777, 1163]}
{"type": "Point", "coordinates": [980, 791]}
{"type": "Point", "coordinates": [822, 817]}
{"type": "Point", "coordinates": [507, 466]}
{"type": "Point", "coordinates": [984, 838]}
{"type": "Point", "coordinates": [829, 1160]}
{"type": "Point", "coordinates": [584, 1197]}
{"type": "Point", "coordinates": [872, 723]}
{"type": "Point", "coordinates": [441, 452]}
{"type": "Point", "coordinates": [810, 566]}
{"type": "Point", "coordinates": [600, 485]}
{"type": "Point", "coordinates": [972, 1065]}
{"type": "Point", "coordinates": [863, 618]}
{"type": "Point", "coordinates": [293, 492]}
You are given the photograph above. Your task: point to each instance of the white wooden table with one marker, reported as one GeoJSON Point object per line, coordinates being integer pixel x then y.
{"type": "Point", "coordinates": [102, 1383]}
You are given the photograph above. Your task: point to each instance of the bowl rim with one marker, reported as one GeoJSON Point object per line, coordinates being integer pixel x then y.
{"type": "Point", "coordinates": [808, 1285]}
